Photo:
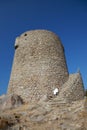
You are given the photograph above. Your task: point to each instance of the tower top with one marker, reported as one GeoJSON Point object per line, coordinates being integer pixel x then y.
{"type": "Point", "coordinates": [37, 36]}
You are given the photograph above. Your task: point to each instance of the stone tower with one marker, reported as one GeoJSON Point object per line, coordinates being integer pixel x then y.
{"type": "Point", "coordinates": [39, 65]}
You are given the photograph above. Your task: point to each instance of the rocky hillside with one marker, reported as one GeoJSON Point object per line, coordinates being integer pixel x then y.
{"type": "Point", "coordinates": [47, 114]}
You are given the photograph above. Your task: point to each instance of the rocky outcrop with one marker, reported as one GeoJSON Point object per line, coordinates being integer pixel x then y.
{"type": "Point", "coordinates": [10, 101]}
{"type": "Point", "coordinates": [54, 114]}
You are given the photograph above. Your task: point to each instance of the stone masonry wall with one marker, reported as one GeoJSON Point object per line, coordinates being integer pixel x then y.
{"type": "Point", "coordinates": [73, 89]}
{"type": "Point", "coordinates": [39, 65]}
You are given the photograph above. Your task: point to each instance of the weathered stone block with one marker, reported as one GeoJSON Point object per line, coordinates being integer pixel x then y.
{"type": "Point", "coordinates": [10, 101]}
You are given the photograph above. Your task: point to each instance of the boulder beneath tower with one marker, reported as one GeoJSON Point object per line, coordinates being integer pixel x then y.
{"type": "Point", "coordinates": [10, 101]}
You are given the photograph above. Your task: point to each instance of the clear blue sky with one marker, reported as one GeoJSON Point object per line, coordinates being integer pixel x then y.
{"type": "Point", "coordinates": [67, 18]}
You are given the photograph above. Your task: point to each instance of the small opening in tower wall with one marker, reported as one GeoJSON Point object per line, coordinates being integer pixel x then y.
{"type": "Point", "coordinates": [16, 46]}
{"type": "Point", "coordinates": [25, 34]}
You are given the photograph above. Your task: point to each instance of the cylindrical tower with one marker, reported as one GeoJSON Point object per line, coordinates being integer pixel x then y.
{"type": "Point", "coordinates": [39, 65]}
